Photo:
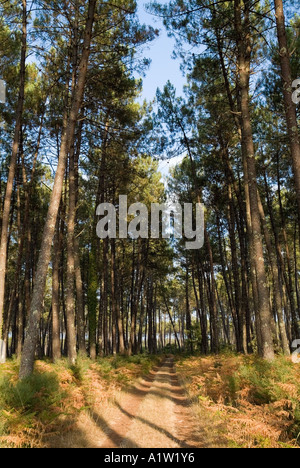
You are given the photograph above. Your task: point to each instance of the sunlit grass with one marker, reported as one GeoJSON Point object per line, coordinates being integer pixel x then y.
{"type": "Point", "coordinates": [58, 392]}
{"type": "Point", "coordinates": [254, 403]}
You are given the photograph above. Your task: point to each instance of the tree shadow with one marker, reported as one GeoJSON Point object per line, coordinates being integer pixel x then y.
{"type": "Point", "coordinates": [116, 438]}
{"type": "Point", "coordinates": [170, 394]}
{"type": "Point", "coordinates": [166, 433]}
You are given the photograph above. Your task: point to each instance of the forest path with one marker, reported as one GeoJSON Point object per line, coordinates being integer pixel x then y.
{"type": "Point", "coordinates": [155, 413]}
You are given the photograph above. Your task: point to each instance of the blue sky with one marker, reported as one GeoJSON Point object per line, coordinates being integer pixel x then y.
{"type": "Point", "coordinates": [163, 67]}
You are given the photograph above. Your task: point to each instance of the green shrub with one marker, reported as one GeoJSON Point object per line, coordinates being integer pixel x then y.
{"type": "Point", "coordinates": [234, 387]}
{"type": "Point", "coordinates": [80, 368]}
{"type": "Point", "coordinates": [264, 378]}
{"type": "Point", "coordinates": [30, 394]}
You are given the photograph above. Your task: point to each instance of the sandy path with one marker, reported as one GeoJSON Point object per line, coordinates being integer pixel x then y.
{"type": "Point", "coordinates": [154, 414]}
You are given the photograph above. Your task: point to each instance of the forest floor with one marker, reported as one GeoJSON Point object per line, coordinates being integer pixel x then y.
{"type": "Point", "coordinates": [152, 402]}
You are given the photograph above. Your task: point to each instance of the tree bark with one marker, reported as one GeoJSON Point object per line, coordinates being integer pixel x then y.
{"type": "Point", "coordinates": [70, 293]}
{"type": "Point", "coordinates": [56, 349]}
{"type": "Point", "coordinates": [276, 286]}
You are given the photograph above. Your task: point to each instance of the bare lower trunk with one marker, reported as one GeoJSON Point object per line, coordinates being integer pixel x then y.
{"type": "Point", "coordinates": [119, 324]}
{"type": "Point", "coordinates": [275, 274]}
{"type": "Point", "coordinates": [70, 296]}
{"type": "Point", "coordinates": [56, 349]}
{"type": "Point", "coordinates": [78, 275]}
{"type": "Point", "coordinates": [80, 300]}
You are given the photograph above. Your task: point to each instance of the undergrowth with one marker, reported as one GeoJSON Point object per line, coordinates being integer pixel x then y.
{"type": "Point", "coordinates": [254, 403]}
{"type": "Point", "coordinates": [55, 394]}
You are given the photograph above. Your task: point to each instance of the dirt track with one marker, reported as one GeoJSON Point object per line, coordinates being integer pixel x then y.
{"type": "Point", "coordinates": [155, 414]}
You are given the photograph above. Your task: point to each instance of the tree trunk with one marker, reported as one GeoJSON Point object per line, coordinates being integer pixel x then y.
{"type": "Point", "coordinates": [78, 275]}
{"type": "Point", "coordinates": [56, 349]}
{"type": "Point", "coordinates": [244, 62]}
{"type": "Point", "coordinates": [275, 275]}
{"type": "Point", "coordinates": [27, 362]}
{"type": "Point", "coordinates": [80, 300]}
{"type": "Point", "coordinates": [70, 293]}
{"type": "Point", "coordinates": [290, 106]}
{"type": "Point", "coordinates": [12, 166]}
